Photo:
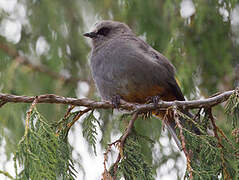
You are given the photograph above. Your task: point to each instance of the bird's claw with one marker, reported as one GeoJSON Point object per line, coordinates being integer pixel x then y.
{"type": "Point", "coordinates": [116, 101]}
{"type": "Point", "coordinates": [155, 100]}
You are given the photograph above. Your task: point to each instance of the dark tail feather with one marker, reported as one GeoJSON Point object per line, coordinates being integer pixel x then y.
{"type": "Point", "coordinates": [171, 126]}
{"type": "Point", "coordinates": [190, 115]}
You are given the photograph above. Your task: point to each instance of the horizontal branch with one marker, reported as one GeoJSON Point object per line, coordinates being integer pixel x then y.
{"type": "Point", "coordinates": [54, 99]}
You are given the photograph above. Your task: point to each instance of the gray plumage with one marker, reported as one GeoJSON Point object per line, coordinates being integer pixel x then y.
{"type": "Point", "coordinates": [124, 65]}
{"type": "Point", "coordinates": [122, 62]}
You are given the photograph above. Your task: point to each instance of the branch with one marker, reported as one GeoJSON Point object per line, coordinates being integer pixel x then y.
{"type": "Point", "coordinates": [176, 117]}
{"type": "Point", "coordinates": [162, 105]}
{"type": "Point", "coordinates": [106, 174]}
{"type": "Point", "coordinates": [6, 174]}
{"type": "Point", "coordinates": [121, 141]}
{"type": "Point", "coordinates": [215, 130]}
{"type": "Point", "coordinates": [41, 68]}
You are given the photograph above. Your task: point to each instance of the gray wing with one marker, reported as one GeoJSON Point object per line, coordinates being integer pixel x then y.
{"type": "Point", "coordinates": [163, 61]}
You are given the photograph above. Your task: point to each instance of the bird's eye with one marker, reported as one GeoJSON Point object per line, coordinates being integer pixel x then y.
{"type": "Point", "coordinates": [103, 31]}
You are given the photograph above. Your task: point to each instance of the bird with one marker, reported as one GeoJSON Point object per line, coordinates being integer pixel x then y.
{"type": "Point", "coordinates": [125, 67]}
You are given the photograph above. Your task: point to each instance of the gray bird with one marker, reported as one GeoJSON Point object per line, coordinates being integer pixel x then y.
{"type": "Point", "coordinates": [124, 66]}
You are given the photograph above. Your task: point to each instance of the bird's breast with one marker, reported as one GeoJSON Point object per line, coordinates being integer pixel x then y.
{"type": "Point", "coordinates": [109, 71]}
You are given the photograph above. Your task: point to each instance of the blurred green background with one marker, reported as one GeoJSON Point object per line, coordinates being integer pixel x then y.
{"type": "Point", "coordinates": [42, 51]}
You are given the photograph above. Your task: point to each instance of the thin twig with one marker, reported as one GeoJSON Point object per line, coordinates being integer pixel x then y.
{"type": "Point", "coordinates": [197, 116]}
{"type": "Point", "coordinates": [29, 112]}
{"type": "Point", "coordinates": [235, 133]}
{"type": "Point", "coordinates": [2, 103]}
{"type": "Point", "coordinates": [122, 141]}
{"type": "Point", "coordinates": [76, 117]}
{"type": "Point", "coordinates": [226, 138]}
{"type": "Point", "coordinates": [182, 138]}
{"type": "Point", "coordinates": [215, 129]}
{"type": "Point", "coordinates": [6, 174]}
{"type": "Point", "coordinates": [70, 124]}
{"type": "Point", "coordinates": [68, 113]}
{"type": "Point", "coordinates": [106, 175]}
{"type": "Point", "coordinates": [129, 129]}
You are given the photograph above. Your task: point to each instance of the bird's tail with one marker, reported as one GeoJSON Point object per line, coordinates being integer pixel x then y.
{"type": "Point", "coordinates": [171, 124]}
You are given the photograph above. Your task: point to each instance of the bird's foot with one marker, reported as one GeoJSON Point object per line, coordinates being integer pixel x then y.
{"type": "Point", "coordinates": [155, 100]}
{"type": "Point", "coordinates": [116, 101]}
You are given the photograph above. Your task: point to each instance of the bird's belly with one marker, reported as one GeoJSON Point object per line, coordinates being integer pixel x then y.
{"type": "Point", "coordinates": [130, 91]}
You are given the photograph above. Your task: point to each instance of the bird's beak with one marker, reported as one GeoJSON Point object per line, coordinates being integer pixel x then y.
{"type": "Point", "coordinates": [90, 34]}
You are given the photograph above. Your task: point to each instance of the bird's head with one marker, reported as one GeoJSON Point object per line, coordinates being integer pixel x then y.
{"type": "Point", "coordinates": [106, 30]}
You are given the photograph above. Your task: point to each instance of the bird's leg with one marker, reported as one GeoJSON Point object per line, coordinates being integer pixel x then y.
{"type": "Point", "coordinates": [155, 100]}
{"type": "Point", "coordinates": [115, 100]}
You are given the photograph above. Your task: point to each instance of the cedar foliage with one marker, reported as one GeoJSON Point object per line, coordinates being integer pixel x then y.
{"type": "Point", "coordinates": [44, 152]}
